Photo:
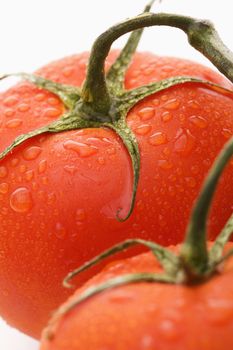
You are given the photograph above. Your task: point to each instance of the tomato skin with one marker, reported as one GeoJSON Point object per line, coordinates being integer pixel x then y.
{"type": "Point", "coordinates": [147, 315]}
{"type": "Point", "coordinates": [59, 199]}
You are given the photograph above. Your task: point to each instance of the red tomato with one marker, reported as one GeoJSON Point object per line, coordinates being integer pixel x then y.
{"type": "Point", "coordinates": [147, 315]}
{"type": "Point", "coordinates": [59, 194]}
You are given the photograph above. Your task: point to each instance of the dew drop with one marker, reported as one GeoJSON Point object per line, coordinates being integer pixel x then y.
{"type": "Point", "coordinates": [22, 168]}
{"type": "Point", "coordinates": [29, 175]}
{"type": "Point", "coordinates": [193, 104]}
{"type": "Point", "coordinates": [40, 97]}
{"type": "Point", "coordinates": [198, 121]}
{"type": "Point", "coordinates": [67, 71]}
{"type": "Point", "coordinates": [80, 214]}
{"type": "Point", "coordinates": [191, 182]}
{"type": "Point", "coordinates": [101, 160]}
{"type": "Point", "coordinates": [42, 166]}
{"type": "Point", "coordinates": [14, 162]}
{"type": "Point", "coordinates": [172, 104]}
{"type": "Point", "coordinates": [23, 107]}
{"type": "Point", "coordinates": [21, 200]}
{"type": "Point", "coordinates": [142, 129]}
{"type": "Point", "coordinates": [111, 150]}
{"type": "Point", "coordinates": [166, 116]}
{"type": "Point", "coordinates": [52, 112]}
{"type": "Point", "coordinates": [10, 101]}
{"type": "Point", "coordinates": [13, 123]}
{"type": "Point", "coordinates": [168, 330]}
{"type": "Point", "coordinates": [3, 171]}
{"type": "Point", "coordinates": [220, 312]}
{"type": "Point", "coordinates": [146, 113]}
{"type": "Point", "coordinates": [165, 164]}
{"type": "Point", "coordinates": [155, 102]}
{"type": "Point", "coordinates": [195, 169]}
{"type": "Point", "coordinates": [53, 101]}
{"type": "Point", "coordinates": [9, 112]}
{"type": "Point", "coordinates": [184, 142]}
{"type": "Point", "coordinates": [158, 138]}
{"type": "Point", "coordinates": [4, 187]}
{"type": "Point", "coordinates": [32, 152]}
{"type": "Point", "coordinates": [60, 231]}
{"type": "Point", "coordinates": [226, 133]}
{"type": "Point", "coordinates": [71, 169]}
{"type": "Point", "coordinates": [82, 149]}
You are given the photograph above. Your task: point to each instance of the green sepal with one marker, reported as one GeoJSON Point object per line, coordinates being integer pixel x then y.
{"type": "Point", "coordinates": [113, 283]}
{"type": "Point", "coordinates": [69, 95]}
{"type": "Point", "coordinates": [129, 98]}
{"type": "Point", "coordinates": [165, 257]}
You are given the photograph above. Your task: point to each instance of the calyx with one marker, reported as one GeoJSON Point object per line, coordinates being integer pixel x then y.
{"type": "Point", "coordinates": [103, 101]}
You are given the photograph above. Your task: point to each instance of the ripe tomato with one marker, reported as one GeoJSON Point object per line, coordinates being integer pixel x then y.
{"type": "Point", "coordinates": [59, 194]}
{"type": "Point", "coordinates": [147, 315]}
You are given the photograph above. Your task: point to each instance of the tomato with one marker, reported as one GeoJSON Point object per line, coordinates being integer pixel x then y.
{"type": "Point", "coordinates": [60, 193]}
{"type": "Point", "coordinates": [147, 315]}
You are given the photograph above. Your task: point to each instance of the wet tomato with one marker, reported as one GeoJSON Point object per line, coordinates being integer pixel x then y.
{"type": "Point", "coordinates": [59, 194]}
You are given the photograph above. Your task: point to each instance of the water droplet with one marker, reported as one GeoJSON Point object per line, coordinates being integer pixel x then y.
{"type": "Point", "coordinates": [101, 160]}
{"type": "Point", "coordinates": [198, 121]}
{"type": "Point", "coordinates": [29, 175]}
{"type": "Point", "coordinates": [40, 97]}
{"type": "Point", "coordinates": [168, 330]}
{"type": "Point", "coordinates": [184, 141]}
{"type": "Point", "coordinates": [226, 133]}
{"type": "Point", "coordinates": [10, 101]}
{"type": "Point", "coordinates": [111, 151]}
{"type": "Point", "coordinates": [32, 152]}
{"type": "Point", "coordinates": [71, 169]}
{"type": "Point", "coordinates": [23, 107]}
{"type": "Point", "coordinates": [157, 139]}
{"type": "Point", "coordinates": [220, 312]}
{"type": "Point", "coordinates": [60, 231]}
{"type": "Point", "coordinates": [14, 161]}
{"type": "Point", "coordinates": [172, 104]}
{"type": "Point", "coordinates": [9, 112]}
{"type": "Point", "coordinates": [80, 214]}
{"type": "Point", "coordinates": [193, 104]}
{"type": "Point", "coordinates": [142, 129]}
{"type": "Point", "coordinates": [146, 113]}
{"type": "Point", "coordinates": [164, 97]}
{"type": "Point", "coordinates": [165, 164]}
{"type": "Point", "coordinates": [4, 187]}
{"type": "Point", "coordinates": [53, 101]}
{"type": "Point", "coordinates": [67, 71]}
{"type": "Point", "coordinates": [82, 149]}
{"type": "Point", "coordinates": [155, 102]}
{"type": "Point", "coordinates": [13, 123]}
{"type": "Point", "coordinates": [166, 116]}
{"type": "Point", "coordinates": [191, 182]}
{"type": "Point", "coordinates": [22, 168]}
{"type": "Point", "coordinates": [21, 200]}
{"type": "Point", "coordinates": [195, 169]}
{"type": "Point", "coordinates": [52, 198]}
{"type": "Point", "coordinates": [119, 296]}
{"type": "Point", "coordinates": [3, 171]}
{"type": "Point", "coordinates": [51, 112]}
{"type": "Point", "coordinates": [42, 166]}
{"type": "Point", "coordinates": [45, 180]}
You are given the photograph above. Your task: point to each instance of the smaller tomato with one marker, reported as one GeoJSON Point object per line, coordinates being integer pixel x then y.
{"type": "Point", "coordinates": [147, 316]}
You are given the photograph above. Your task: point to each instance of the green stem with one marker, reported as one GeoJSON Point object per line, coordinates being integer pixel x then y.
{"type": "Point", "coordinates": [194, 253]}
{"type": "Point", "coordinates": [201, 35]}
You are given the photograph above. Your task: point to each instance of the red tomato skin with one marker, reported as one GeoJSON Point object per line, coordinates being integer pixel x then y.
{"type": "Point", "coordinates": [147, 315]}
{"type": "Point", "coordinates": [58, 193]}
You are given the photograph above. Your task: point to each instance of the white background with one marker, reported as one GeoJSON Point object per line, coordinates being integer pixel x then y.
{"type": "Point", "coordinates": [36, 32]}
